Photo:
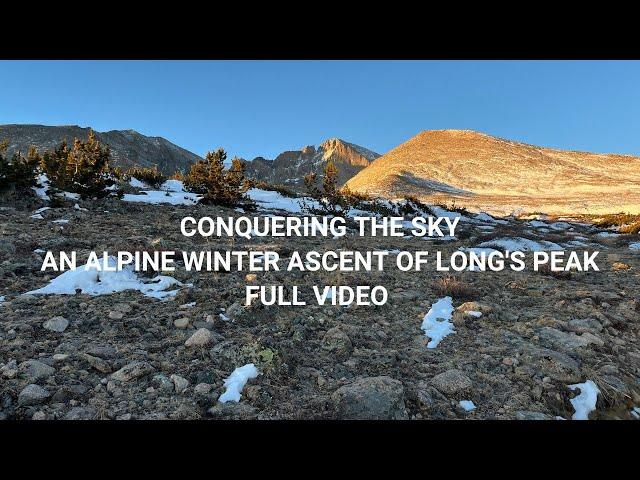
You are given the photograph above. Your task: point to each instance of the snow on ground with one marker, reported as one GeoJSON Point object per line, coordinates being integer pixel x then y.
{"type": "Point", "coordinates": [270, 200]}
{"type": "Point", "coordinates": [521, 244]}
{"type": "Point", "coordinates": [485, 217]}
{"type": "Point", "coordinates": [37, 216]}
{"type": "Point", "coordinates": [553, 226]}
{"type": "Point", "coordinates": [61, 221]}
{"type": "Point", "coordinates": [94, 282]}
{"type": "Point", "coordinates": [69, 195]}
{"type": "Point", "coordinates": [584, 403]}
{"type": "Point", "coordinates": [467, 405]}
{"type": "Point", "coordinates": [635, 412]}
{"type": "Point", "coordinates": [478, 250]}
{"type": "Point", "coordinates": [134, 182]}
{"type": "Point", "coordinates": [436, 323]}
{"type": "Point", "coordinates": [236, 382]}
{"type": "Point", "coordinates": [39, 250]}
{"type": "Point", "coordinates": [576, 244]}
{"type": "Point", "coordinates": [474, 313]}
{"type": "Point", "coordinates": [171, 192]}
{"type": "Point", "coordinates": [441, 212]}
{"type": "Point", "coordinates": [607, 234]}
{"type": "Point", "coordinates": [634, 246]}
{"type": "Point", "coordinates": [40, 210]}
{"type": "Point", "coordinates": [1, 299]}
{"type": "Point", "coordinates": [41, 192]}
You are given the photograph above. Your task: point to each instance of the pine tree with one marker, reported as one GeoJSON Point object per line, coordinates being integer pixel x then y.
{"type": "Point", "coordinates": [83, 169]}
{"type": "Point", "coordinates": [330, 197]}
{"type": "Point", "coordinates": [217, 186]}
{"type": "Point", "coordinates": [19, 173]}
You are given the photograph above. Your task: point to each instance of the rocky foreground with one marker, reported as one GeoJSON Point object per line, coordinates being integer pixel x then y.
{"type": "Point", "coordinates": [129, 356]}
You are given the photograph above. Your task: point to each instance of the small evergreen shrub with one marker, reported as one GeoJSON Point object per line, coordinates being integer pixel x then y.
{"type": "Point", "coordinates": [17, 174]}
{"type": "Point", "coordinates": [82, 169]}
{"type": "Point", "coordinates": [218, 186]}
{"type": "Point", "coordinates": [150, 176]}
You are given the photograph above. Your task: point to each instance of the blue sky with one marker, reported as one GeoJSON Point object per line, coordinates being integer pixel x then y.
{"type": "Point", "coordinates": [256, 108]}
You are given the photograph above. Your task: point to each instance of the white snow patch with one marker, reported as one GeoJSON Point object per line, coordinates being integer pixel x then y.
{"type": "Point", "coordinates": [223, 317]}
{"type": "Point", "coordinates": [69, 195]}
{"type": "Point", "coordinates": [275, 201]}
{"type": "Point", "coordinates": [1, 299]}
{"type": "Point", "coordinates": [41, 192]}
{"type": "Point", "coordinates": [94, 282]}
{"type": "Point", "coordinates": [607, 234]}
{"type": "Point", "coordinates": [576, 244]}
{"type": "Point", "coordinates": [467, 405]}
{"type": "Point", "coordinates": [635, 412]}
{"type": "Point", "coordinates": [37, 216]}
{"type": "Point", "coordinates": [474, 313]}
{"type": "Point", "coordinates": [40, 210]}
{"type": "Point", "coordinates": [634, 246]}
{"type": "Point", "coordinates": [171, 192]}
{"type": "Point", "coordinates": [61, 221]}
{"type": "Point", "coordinates": [584, 403]}
{"type": "Point", "coordinates": [521, 244]}
{"type": "Point", "coordinates": [441, 212]}
{"type": "Point", "coordinates": [134, 182]}
{"type": "Point", "coordinates": [39, 250]}
{"type": "Point", "coordinates": [436, 323]}
{"type": "Point", "coordinates": [156, 197]}
{"type": "Point", "coordinates": [478, 250]}
{"type": "Point", "coordinates": [236, 382]}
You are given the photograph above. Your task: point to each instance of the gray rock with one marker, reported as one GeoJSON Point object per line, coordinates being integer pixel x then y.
{"type": "Point", "coordinates": [102, 351]}
{"type": "Point", "coordinates": [33, 395]}
{"type": "Point", "coordinates": [376, 398]}
{"type": "Point", "coordinates": [35, 370]}
{"type": "Point", "coordinates": [81, 413]}
{"type": "Point", "coordinates": [202, 388]}
{"type": "Point", "coordinates": [200, 338]}
{"type": "Point", "coordinates": [232, 411]}
{"type": "Point", "coordinates": [452, 382]}
{"type": "Point", "coordinates": [162, 382]}
{"type": "Point", "coordinates": [550, 337]}
{"type": "Point", "coordinates": [56, 324]}
{"type": "Point", "coordinates": [582, 325]}
{"type": "Point", "coordinates": [337, 342]}
{"type": "Point", "coordinates": [181, 323]}
{"type": "Point", "coordinates": [526, 415]}
{"type": "Point", "coordinates": [180, 383]}
{"type": "Point", "coordinates": [132, 371]}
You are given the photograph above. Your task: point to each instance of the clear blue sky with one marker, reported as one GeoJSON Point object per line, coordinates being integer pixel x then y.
{"type": "Point", "coordinates": [262, 108]}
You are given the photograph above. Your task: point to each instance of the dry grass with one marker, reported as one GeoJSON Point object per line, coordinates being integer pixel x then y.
{"type": "Point", "coordinates": [452, 287]}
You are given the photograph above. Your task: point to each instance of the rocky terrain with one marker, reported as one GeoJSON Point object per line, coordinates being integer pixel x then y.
{"type": "Point", "coordinates": [501, 176]}
{"type": "Point", "coordinates": [289, 168]}
{"type": "Point", "coordinates": [529, 336]}
{"type": "Point", "coordinates": [128, 147]}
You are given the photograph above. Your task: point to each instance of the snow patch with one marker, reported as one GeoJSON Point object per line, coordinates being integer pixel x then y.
{"type": "Point", "coordinates": [134, 182]}
{"type": "Point", "coordinates": [521, 244]}
{"type": "Point", "coordinates": [236, 382]}
{"type": "Point", "coordinates": [634, 246]}
{"type": "Point", "coordinates": [467, 405]}
{"type": "Point", "coordinates": [436, 323]}
{"type": "Point", "coordinates": [41, 191]}
{"type": "Point", "coordinates": [92, 281]}
{"type": "Point", "coordinates": [584, 403]}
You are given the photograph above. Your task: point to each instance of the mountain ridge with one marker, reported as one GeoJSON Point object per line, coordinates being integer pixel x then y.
{"type": "Point", "coordinates": [290, 166]}
{"type": "Point", "coordinates": [128, 147]}
{"type": "Point", "coordinates": [482, 171]}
